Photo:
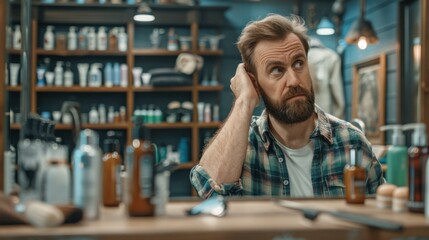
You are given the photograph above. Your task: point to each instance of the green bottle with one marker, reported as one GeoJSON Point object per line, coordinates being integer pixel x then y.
{"type": "Point", "coordinates": [397, 157]}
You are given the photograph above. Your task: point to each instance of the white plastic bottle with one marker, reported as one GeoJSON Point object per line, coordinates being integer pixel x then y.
{"type": "Point", "coordinates": [102, 113]}
{"type": "Point", "coordinates": [102, 39]}
{"type": "Point", "coordinates": [92, 41]}
{"type": "Point", "coordinates": [17, 42]}
{"type": "Point", "coordinates": [49, 38]}
{"type": "Point", "coordinates": [68, 76]}
{"type": "Point", "coordinates": [122, 40]}
{"type": "Point", "coordinates": [95, 75]}
{"type": "Point", "coordinates": [72, 39]}
{"type": "Point", "coordinates": [59, 71]}
{"type": "Point", "coordinates": [124, 75]}
{"type": "Point", "coordinates": [94, 117]}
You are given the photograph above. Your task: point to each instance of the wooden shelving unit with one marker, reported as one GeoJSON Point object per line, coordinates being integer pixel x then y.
{"type": "Point", "coordinates": [121, 14]}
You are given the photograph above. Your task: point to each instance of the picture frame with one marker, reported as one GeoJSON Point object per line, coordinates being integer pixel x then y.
{"type": "Point", "coordinates": [369, 96]}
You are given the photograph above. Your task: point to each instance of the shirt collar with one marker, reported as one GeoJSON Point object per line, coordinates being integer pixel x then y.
{"type": "Point", "coordinates": [323, 127]}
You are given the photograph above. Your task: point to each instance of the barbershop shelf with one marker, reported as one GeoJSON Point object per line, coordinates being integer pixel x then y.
{"type": "Point", "coordinates": [108, 126]}
{"type": "Point", "coordinates": [210, 88]}
{"type": "Point", "coordinates": [209, 125]}
{"type": "Point", "coordinates": [169, 125]}
{"type": "Point", "coordinates": [13, 89]}
{"type": "Point", "coordinates": [156, 52]}
{"type": "Point", "coordinates": [15, 126]}
{"type": "Point", "coordinates": [67, 53]}
{"type": "Point", "coordinates": [186, 165]}
{"type": "Point", "coordinates": [163, 89]}
{"type": "Point", "coordinates": [81, 89]}
{"type": "Point", "coordinates": [14, 51]}
{"type": "Point", "coordinates": [209, 52]}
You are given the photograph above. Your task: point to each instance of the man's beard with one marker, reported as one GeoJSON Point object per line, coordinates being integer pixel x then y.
{"type": "Point", "coordinates": [297, 111]}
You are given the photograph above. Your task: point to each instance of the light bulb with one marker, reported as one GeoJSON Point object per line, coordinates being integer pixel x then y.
{"type": "Point", "coordinates": [362, 43]}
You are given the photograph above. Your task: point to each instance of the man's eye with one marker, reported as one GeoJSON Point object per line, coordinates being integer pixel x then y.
{"type": "Point", "coordinates": [277, 70]}
{"type": "Point", "coordinates": [298, 64]}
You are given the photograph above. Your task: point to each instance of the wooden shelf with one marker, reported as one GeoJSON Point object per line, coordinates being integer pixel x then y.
{"type": "Point", "coordinates": [210, 52]}
{"type": "Point", "coordinates": [156, 52]}
{"type": "Point", "coordinates": [210, 125]}
{"type": "Point", "coordinates": [186, 165]}
{"type": "Point", "coordinates": [165, 52]}
{"type": "Point", "coordinates": [210, 88]}
{"type": "Point", "coordinates": [81, 89]}
{"type": "Point", "coordinates": [165, 125]}
{"type": "Point", "coordinates": [107, 126]}
{"type": "Point", "coordinates": [164, 89]}
{"type": "Point", "coordinates": [14, 51]}
{"type": "Point", "coordinates": [15, 126]}
{"type": "Point", "coordinates": [66, 53]}
{"type": "Point", "coordinates": [14, 89]}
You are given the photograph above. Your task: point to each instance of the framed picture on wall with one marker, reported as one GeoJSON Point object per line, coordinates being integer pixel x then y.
{"type": "Point", "coordinates": [369, 91]}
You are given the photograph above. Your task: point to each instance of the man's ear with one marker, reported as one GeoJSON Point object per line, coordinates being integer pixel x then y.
{"type": "Point", "coordinates": [254, 82]}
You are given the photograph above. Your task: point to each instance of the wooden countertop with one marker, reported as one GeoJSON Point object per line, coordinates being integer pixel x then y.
{"type": "Point", "coordinates": [256, 219]}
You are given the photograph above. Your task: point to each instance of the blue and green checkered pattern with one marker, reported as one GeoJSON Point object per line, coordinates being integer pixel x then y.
{"type": "Point", "coordinates": [265, 172]}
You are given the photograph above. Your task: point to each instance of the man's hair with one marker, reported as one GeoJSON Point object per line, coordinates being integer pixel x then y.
{"type": "Point", "coordinates": [272, 27]}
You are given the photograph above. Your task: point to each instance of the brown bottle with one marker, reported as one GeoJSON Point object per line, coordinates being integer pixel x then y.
{"type": "Point", "coordinates": [141, 170]}
{"type": "Point", "coordinates": [355, 178]}
{"type": "Point", "coordinates": [418, 153]}
{"type": "Point", "coordinates": [111, 173]}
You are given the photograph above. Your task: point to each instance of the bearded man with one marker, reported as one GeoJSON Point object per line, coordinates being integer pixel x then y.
{"type": "Point", "coordinates": [293, 148]}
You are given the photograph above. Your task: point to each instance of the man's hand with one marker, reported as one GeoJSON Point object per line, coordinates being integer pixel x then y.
{"type": "Point", "coordinates": [244, 87]}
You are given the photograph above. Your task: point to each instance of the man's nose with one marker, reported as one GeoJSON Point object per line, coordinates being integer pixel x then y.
{"type": "Point", "coordinates": [292, 79]}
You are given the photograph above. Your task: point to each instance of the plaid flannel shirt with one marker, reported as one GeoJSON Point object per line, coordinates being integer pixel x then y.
{"type": "Point", "coordinates": [265, 173]}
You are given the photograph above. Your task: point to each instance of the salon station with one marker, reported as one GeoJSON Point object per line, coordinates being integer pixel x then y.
{"type": "Point", "coordinates": [114, 113]}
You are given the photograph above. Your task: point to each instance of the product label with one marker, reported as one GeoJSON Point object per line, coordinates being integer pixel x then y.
{"type": "Point", "coordinates": [146, 176]}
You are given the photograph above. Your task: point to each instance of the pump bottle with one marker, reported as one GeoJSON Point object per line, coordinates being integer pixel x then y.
{"type": "Point", "coordinates": [397, 157]}
{"type": "Point", "coordinates": [68, 76]}
{"type": "Point", "coordinates": [141, 171]}
{"type": "Point", "coordinates": [95, 75]}
{"type": "Point", "coordinates": [418, 154]}
{"type": "Point", "coordinates": [72, 39]}
{"type": "Point", "coordinates": [111, 172]}
{"type": "Point", "coordinates": [87, 174]}
{"type": "Point", "coordinates": [355, 178]}
{"type": "Point", "coordinates": [59, 71]}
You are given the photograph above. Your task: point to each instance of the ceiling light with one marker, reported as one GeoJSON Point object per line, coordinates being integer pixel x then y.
{"type": "Point", "coordinates": [144, 13]}
{"type": "Point", "coordinates": [361, 32]}
{"type": "Point", "coordinates": [325, 27]}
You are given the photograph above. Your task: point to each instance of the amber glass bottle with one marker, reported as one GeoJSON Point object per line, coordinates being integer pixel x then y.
{"type": "Point", "coordinates": [355, 178]}
{"type": "Point", "coordinates": [111, 173]}
{"type": "Point", "coordinates": [141, 169]}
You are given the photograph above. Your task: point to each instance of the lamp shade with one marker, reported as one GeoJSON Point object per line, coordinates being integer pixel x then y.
{"type": "Point", "coordinates": [144, 13]}
{"type": "Point", "coordinates": [325, 27]}
{"type": "Point", "coordinates": [361, 28]}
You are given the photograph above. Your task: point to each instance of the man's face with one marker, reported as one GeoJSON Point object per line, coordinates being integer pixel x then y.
{"type": "Point", "coordinates": [284, 79]}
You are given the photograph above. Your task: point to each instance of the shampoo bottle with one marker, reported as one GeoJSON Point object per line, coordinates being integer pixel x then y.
{"type": "Point", "coordinates": [95, 75]}
{"type": "Point", "coordinates": [102, 39]}
{"type": "Point", "coordinates": [141, 172]}
{"type": "Point", "coordinates": [122, 40]}
{"type": "Point", "coordinates": [108, 78]}
{"type": "Point", "coordinates": [87, 174]}
{"type": "Point", "coordinates": [355, 178]}
{"type": "Point", "coordinates": [68, 76]}
{"type": "Point", "coordinates": [72, 39]}
{"type": "Point", "coordinates": [57, 177]}
{"type": "Point", "coordinates": [49, 38]}
{"type": "Point", "coordinates": [397, 157]}
{"type": "Point", "coordinates": [59, 71]}
{"type": "Point", "coordinates": [91, 39]}
{"type": "Point", "coordinates": [111, 172]}
{"type": "Point", "coordinates": [418, 154]}
{"type": "Point", "coordinates": [17, 41]}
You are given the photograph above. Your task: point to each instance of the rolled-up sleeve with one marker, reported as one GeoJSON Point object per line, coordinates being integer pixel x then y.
{"type": "Point", "coordinates": [206, 186]}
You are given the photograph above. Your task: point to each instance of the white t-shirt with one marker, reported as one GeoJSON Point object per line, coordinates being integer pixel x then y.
{"type": "Point", "coordinates": [298, 162]}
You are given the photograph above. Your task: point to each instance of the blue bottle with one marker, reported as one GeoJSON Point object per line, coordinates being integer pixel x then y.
{"type": "Point", "coordinates": [184, 150]}
{"type": "Point", "coordinates": [116, 74]}
{"type": "Point", "coordinates": [108, 75]}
